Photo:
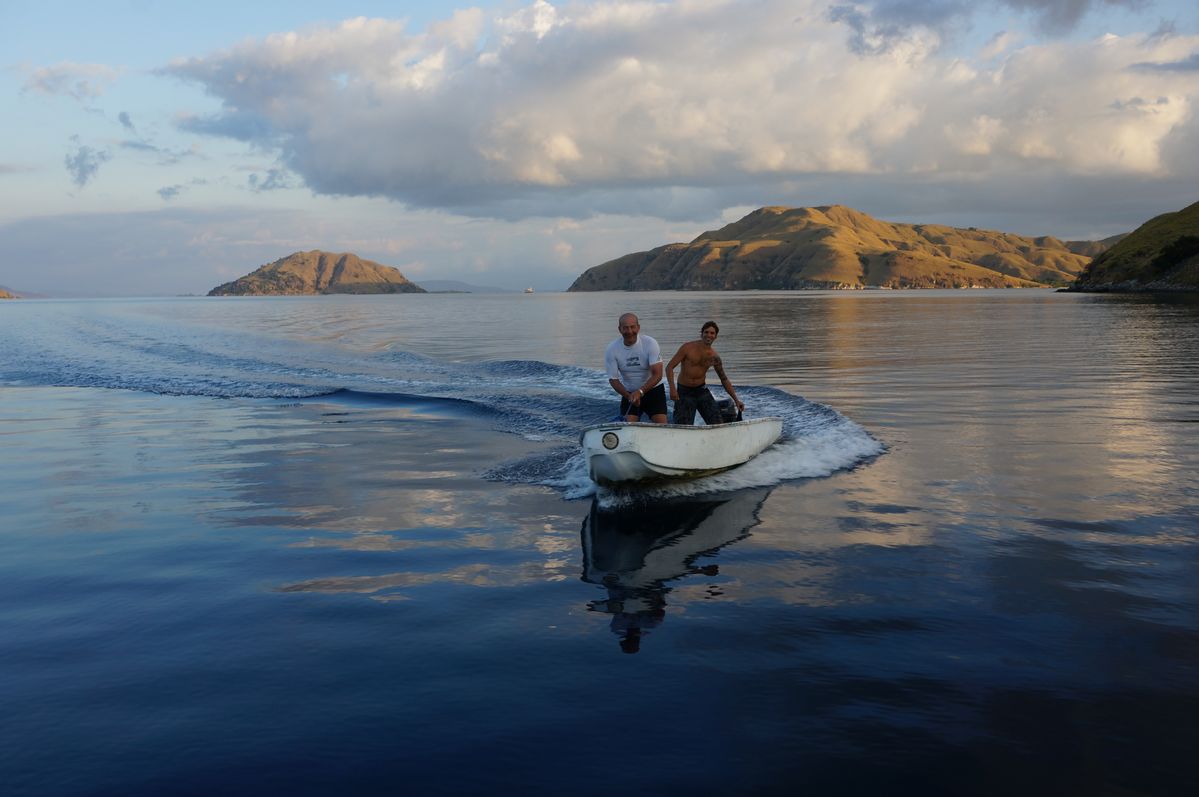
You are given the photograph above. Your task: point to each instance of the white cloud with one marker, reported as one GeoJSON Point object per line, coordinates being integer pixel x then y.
{"type": "Point", "coordinates": [587, 107]}
{"type": "Point", "coordinates": [538, 19]}
{"type": "Point", "coordinates": [80, 81]}
{"type": "Point", "coordinates": [976, 137]}
{"type": "Point", "coordinates": [1000, 43]}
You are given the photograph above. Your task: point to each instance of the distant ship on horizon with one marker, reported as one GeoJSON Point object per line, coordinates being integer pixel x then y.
{"type": "Point", "coordinates": [528, 290]}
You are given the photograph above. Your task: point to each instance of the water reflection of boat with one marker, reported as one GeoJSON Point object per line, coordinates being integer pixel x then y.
{"type": "Point", "coordinates": [635, 553]}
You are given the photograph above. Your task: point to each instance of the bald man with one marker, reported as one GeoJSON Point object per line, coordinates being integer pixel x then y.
{"type": "Point", "coordinates": [634, 366]}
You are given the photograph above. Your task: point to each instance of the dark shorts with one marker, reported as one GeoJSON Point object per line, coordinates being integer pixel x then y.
{"type": "Point", "coordinates": [692, 399]}
{"type": "Point", "coordinates": [652, 403]}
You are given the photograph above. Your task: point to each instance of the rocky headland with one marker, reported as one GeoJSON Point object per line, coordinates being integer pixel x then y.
{"type": "Point", "coordinates": [317, 272]}
{"type": "Point", "coordinates": [6, 295]}
{"type": "Point", "coordinates": [836, 247]}
{"type": "Point", "coordinates": [1160, 255]}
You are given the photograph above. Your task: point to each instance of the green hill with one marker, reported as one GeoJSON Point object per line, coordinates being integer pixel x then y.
{"type": "Point", "coordinates": [1161, 254]}
{"type": "Point", "coordinates": [834, 246]}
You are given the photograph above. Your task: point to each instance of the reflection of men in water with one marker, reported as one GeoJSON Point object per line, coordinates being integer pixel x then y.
{"type": "Point", "coordinates": [634, 365]}
{"type": "Point", "coordinates": [696, 357]}
{"type": "Point", "coordinates": [633, 611]}
{"type": "Point", "coordinates": [637, 553]}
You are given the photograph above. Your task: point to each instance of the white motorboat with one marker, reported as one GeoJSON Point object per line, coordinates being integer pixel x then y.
{"type": "Point", "coordinates": [629, 452]}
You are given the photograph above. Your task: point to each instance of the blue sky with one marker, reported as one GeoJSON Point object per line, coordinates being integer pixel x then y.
{"type": "Point", "coordinates": [163, 148]}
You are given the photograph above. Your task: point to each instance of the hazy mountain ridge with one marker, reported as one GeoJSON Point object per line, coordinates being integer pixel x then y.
{"type": "Point", "coordinates": [780, 248]}
{"type": "Point", "coordinates": [1095, 248]}
{"type": "Point", "coordinates": [458, 286]}
{"type": "Point", "coordinates": [12, 293]}
{"type": "Point", "coordinates": [1161, 254]}
{"type": "Point", "coordinates": [317, 272]}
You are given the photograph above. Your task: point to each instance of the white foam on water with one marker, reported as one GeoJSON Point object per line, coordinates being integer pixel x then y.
{"type": "Point", "coordinates": [574, 481]}
{"type": "Point", "coordinates": [819, 452]}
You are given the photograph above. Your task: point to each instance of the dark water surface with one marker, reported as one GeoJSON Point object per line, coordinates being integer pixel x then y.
{"type": "Point", "coordinates": [346, 545]}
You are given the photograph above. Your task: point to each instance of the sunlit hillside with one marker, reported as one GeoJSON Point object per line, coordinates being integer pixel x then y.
{"type": "Point", "coordinates": [838, 247]}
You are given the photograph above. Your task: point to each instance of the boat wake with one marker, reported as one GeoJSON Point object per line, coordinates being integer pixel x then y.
{"type": "Point", "coordinates": [816, 442]}
{"type": "Point", "coordinates": [542, 402]}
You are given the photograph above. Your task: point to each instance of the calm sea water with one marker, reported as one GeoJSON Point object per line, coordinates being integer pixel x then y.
{"type": "Point", "coordinates": [346, 545]}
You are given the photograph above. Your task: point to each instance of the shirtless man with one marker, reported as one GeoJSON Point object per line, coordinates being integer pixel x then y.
{"type": "Point", "coordinates": [634, 366]}
{"type": "Point", "coordinates": [690, 394]}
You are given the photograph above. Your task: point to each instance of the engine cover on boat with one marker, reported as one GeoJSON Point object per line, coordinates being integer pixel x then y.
{"type": "Point", "coordinates": [728, 411]}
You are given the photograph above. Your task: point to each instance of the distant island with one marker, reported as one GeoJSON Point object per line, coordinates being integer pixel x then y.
{"type": "Point", "coordinates": [1160, 255]}
{"type": "Point", "coordinates": [316, 272]}
{"type": "Point", "coordinates": [836, 247]}
{"type": "Point", "coordinates": [6, 295]}
{"type": "Point", "coordinates": [457, 286]}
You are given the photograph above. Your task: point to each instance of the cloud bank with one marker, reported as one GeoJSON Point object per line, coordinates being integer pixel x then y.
{"type": "Point", "coordinates": [181, 249]}
{"type": "Point", "coordinates": [594, 107]}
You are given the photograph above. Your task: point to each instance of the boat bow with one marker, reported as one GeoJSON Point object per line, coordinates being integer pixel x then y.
{"type": "Point", "coordinates": [630, 452]}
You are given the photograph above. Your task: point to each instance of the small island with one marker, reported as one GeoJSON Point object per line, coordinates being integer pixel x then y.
{"type": "Point", "coordinates": [318, 273]}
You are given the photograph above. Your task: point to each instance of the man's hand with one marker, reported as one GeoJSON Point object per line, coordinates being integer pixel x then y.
{"type": "Point", "coordinates": [674, 393]}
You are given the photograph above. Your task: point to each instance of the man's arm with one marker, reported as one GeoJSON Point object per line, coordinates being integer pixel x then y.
{"type": "Point", "coordinates": [613, 370]}
{"type": "Point", "coordinates": [674, 363]}
{"type": "Point", "coordinates": [620, 388]}
{"type": "Point", "coordinates": [726, 384]}
{"type": "Point", "coordinates": [655, 377]}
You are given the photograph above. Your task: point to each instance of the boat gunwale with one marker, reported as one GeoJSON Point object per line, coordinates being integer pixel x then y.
{"type": "Point", "coordinates": [660, 470]}
{"type": "Point", "coordinates": [694, 427]}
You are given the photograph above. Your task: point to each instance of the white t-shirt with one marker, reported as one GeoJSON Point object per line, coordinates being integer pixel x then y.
{"type": "Point", "coordinates": [630, 364]}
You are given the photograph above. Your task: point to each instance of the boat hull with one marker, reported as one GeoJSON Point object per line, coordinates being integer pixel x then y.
{"type": "Point", "coordinates": [619, 453]}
